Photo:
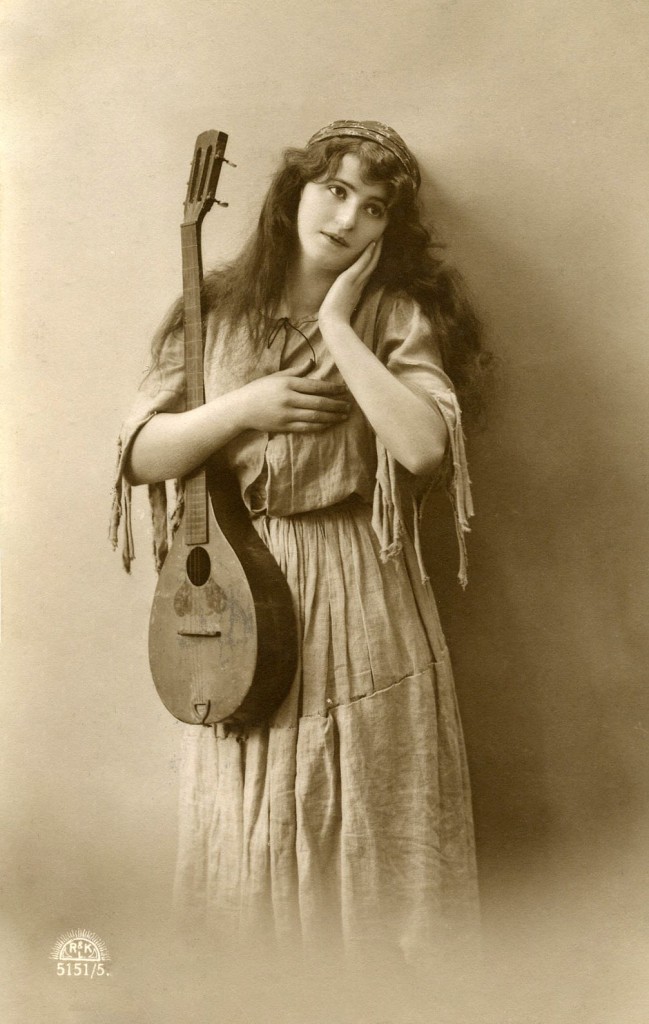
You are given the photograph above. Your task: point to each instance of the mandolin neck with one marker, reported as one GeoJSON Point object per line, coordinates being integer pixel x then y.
{"type": "Point", "coordinates": [195, 515]}
{"type": "Point", "coordinates": [192, 278]}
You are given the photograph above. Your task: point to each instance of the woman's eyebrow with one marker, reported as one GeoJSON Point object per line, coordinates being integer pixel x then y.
{"type": "Point", "coordinates": [348, 184]}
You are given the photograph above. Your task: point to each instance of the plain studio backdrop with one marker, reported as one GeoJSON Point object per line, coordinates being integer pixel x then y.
{"type": "Point", "coordinates": [529, 121]}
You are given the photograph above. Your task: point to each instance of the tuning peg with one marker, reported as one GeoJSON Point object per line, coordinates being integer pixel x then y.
{"type": "Point", "coordinates": [219, 202]}
{"type": "Point", "coordinates": [228, 162]}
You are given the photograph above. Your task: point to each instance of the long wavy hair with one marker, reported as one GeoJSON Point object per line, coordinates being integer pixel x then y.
{"type": "Point", "coordinates": [249, 289]}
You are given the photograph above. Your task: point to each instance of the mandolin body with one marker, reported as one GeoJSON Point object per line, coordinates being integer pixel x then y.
{"type": "Point", "coordinates": [222, 634]}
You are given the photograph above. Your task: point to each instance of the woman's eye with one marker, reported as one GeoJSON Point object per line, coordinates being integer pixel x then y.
{"type": "Point", "coordinates": [338, 191]}
{"type": "Point", "coordinates": [375, 211]}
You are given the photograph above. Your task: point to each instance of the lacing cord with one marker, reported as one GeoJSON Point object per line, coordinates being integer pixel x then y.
{"type": "Point", "coordinates": [285, 323]}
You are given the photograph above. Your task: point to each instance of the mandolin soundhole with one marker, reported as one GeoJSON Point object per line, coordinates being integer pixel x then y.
{"type": "Point", "coordinates": [198, 566]}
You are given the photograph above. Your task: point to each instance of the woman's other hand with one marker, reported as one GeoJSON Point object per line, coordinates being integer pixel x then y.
{"type": "Point", "coordinates": [345, 293]}
{"type": "Point", "coordinates": [284, 402]}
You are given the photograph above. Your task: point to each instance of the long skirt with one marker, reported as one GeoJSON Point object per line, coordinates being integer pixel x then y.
{"type": "Point", "coordinates": [348, 816]}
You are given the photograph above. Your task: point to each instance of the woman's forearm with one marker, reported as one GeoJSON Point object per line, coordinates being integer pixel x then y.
{"type": "Point", "coordinates": [173, 444]}
{"type": "Point", "coordinates": [413, 431]}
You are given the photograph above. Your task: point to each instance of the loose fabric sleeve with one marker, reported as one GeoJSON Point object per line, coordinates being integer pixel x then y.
{"type": "Point", "coordinates": [163, 389]}
{"type": "Point", "coordinates": [405, 344]}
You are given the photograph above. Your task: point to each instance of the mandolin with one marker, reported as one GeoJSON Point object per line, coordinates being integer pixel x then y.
{"type": "Point", "coordinates": [222, 633]}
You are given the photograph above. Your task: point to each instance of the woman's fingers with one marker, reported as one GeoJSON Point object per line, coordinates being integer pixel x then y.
{"type": "Point", "coordinates": [311, 386]}
{"type": "Point", "coordinates": [366, 263]}
{"type": "Point", "coordinates": [376, 256]}
{"type": "Point", "coordinates": [316, 414]}
{"type": "Point", "coordinates": [345, 293]}
{"type": "Point", "coordinates": [305, 427]}
{"type": "Point", "coordinates": [319, 403]}
{"type": "Point", "coordinates": [319, 409]}
{"type": "Point", "coordinates": [278, 401]}
{"type": "Point", "coordinates": [370, 258]}
{"type": "Point", "coordinates": [316, 410]}
{"type": "Point", "coordinates": [299, 401]}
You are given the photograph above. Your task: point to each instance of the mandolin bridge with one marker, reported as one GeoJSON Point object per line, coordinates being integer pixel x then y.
{"type": "Point", "coordinates": [199, 632]}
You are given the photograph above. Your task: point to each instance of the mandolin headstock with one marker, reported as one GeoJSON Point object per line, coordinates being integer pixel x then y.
{"type": "Point", "coordinates": [204, 175]}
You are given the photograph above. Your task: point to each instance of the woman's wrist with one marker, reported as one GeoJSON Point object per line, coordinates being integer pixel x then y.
{"type": "Point", "coordinates": [333, 322]}
{"type": "Point", "coordinates": [235, 407]}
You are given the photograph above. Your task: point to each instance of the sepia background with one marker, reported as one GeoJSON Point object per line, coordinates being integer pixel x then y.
{"type": "Point", "coordinates": [530, 124]}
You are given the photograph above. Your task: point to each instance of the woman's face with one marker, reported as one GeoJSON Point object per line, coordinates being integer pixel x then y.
{"type": "Point", "coordinates": [339, 216]}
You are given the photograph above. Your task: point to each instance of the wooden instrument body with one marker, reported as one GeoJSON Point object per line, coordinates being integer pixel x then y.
{"type": "Point", "coordinates": [222, 633]}
{"type": "Point", "coordinates": [223, 649]}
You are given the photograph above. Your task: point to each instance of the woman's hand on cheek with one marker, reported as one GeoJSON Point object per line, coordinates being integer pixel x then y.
{"type": "Point", "coordinates": [344, 295]}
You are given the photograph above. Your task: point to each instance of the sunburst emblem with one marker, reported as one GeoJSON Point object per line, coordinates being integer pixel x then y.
{"type": "Point", "coordinates": [80, 945]}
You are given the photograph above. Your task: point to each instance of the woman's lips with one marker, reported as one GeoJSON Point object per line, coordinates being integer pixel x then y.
{"type": "Point", "coordinates": [336, 239]}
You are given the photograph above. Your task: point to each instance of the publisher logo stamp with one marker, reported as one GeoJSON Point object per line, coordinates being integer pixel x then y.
{"type": "Point", "coordinates": [80, 954]}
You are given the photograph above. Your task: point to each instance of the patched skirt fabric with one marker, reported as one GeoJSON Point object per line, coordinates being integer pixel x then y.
{"type": "Point", "coordinates": [348, 814]}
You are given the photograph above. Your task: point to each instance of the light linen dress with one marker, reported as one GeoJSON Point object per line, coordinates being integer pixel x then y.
{"type": "Point", "coordinates": [348, 814]}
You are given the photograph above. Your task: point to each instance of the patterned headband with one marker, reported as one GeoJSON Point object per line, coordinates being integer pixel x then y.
{"type": "Point", "coordinates": [375, 132]}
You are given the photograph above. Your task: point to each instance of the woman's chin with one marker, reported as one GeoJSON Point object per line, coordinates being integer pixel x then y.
{"type": "Point", "coordinates": [326, 256]}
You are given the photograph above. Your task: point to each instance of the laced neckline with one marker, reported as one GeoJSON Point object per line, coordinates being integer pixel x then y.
{"type": "Point", "coordinates": [286, 322]}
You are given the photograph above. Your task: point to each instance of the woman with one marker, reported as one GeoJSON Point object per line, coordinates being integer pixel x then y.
{"type": "Point", "coordinates": [335, 344]}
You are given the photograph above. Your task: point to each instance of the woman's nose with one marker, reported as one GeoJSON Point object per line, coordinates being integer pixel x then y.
{"type": "Point", "coordinates": [347, 216]}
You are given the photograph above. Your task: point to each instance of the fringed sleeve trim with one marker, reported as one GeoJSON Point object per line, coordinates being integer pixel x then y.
{"type": "Point", "coordinates": [179, 507]}
{"type": "Point", "coordinates": [459, 483]}
{"type": "Point", "coordinates": [161, 390]}
{"type": "Point", "coordinates": [388, 512]}
{"type": "Point", "coordinates": [164, 524]}
{"type": "Point", "coordinates": [121, 509]}
{"type": "Point", "coordinates": [121, 513]}
{"type": "Point", "coordinates": [159, 523]}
